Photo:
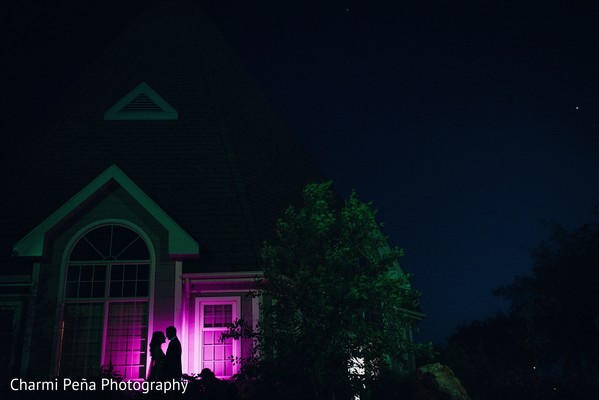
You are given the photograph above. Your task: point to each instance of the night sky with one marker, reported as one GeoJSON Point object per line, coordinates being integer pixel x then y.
{"type": "Point", "coordinates": [466, 124]}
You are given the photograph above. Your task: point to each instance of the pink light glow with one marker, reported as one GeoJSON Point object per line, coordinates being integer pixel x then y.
{"type": "Point", "coordinates": [204, 302]}
{"type": "Point", "coordinates": [212, 317]}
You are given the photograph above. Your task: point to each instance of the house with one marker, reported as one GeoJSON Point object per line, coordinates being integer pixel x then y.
{"type": "Point", "coordinates": [144, 204]}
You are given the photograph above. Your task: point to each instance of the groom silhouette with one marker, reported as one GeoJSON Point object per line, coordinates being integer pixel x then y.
{"type": "Point", "coordinates": [172, 360]}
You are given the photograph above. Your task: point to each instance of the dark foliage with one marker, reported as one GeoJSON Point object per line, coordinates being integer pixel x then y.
{"type": "Point", "coordinates": [547, 346]}
{"type": "Point", "coordinates": [335, 304]}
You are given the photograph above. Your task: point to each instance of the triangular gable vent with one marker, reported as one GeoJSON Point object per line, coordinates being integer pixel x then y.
{"type": "Point", "coordinates": [142, 103]}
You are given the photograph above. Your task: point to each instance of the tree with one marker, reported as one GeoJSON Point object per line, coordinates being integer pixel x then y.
{"type": "Point", "coordinates": [560, 305]}
{"type": "Point", "coordinates": [336, 308]}
{"type": "Point", "coordinates": [547, 346]}
{"type": "Point", "coordinates": [491, 359]}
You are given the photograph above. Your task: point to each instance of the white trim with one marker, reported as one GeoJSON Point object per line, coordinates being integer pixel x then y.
{"type": "Point", "coordinates": [220, 291]}
{"type": "Point", "coordinates": [180, 243]}
{"type": "Point", "coordinates": [199, 324]}
{"type": "Point", "coordinates": [61, 286]}
{"type": "Point", "coordinates": [223, 276]}
{"type": "Point", "coordinates": [177, 294]}
{"type": "Point", "coordinates": [185, 323]}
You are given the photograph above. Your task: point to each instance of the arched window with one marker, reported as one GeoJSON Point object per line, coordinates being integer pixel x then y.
{"type": "Point", "coordinates": [105, 304]}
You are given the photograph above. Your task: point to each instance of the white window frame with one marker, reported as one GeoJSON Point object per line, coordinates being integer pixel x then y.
{"type": "Point", "coordinates": [106, 299]}
{"type": "Point", "coordinates": [235, 301]}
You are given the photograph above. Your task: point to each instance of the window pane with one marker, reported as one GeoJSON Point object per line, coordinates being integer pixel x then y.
{"type": "Point", "coordinates": [143, 280]}
{"type": "Point", "coordinates": [208, 315]}
{"type": "Point", "coordinates": [130, 272]}
{"type": "Point", "coordinates": [87, 273]}
{"type": "Point", "coordinates": [110, 242]}
{"type": "Point", "coordinates": [85, 281]}
{"type": "Point", "coordinates": [124, 281]}
{"type": "Point", "coordinates": [122, 239]}
{"type": "Point", "coordinates": [219, 352]}
{"type": "Point", "coordinates": [219, 369]}
{"type": "Point", "coordinates": [73, 273]}
{"type": "Point", "coordinates": [136, 251]}
{"type": "Point", "coordinates": [71, 289]}
{"type": "Point", "coordinates": [98, 289]}
{"type": "Point", "coordinates": [85, 289]}
{"type": "Point", "coordinates": [216, 354]}
{"type": "Point", "coordinates": [100, 273]}
{"type": "Point", "coordinates": [142, 289]}
{"type": "Point", "coordinates": [208, 337]}
{"type": "Point", "coordinates": [143, 272]}
{"type": "Point", "coordinates": [218, 315]}
{"type": "Point", "coordinates": [100, 239]}
{"type": "Point", "coordinates": [116, 273]}
{"type": "Point", "coordinates": [129, 289]}
{"type": "Point", "coordinates": [116, 280]}
{"type": "Point", "coordinates": [81, 339]}
{"type": "Point", "coordinates": [83, 251]}
{"type": "Point", "coordinates": [208, 356]}
{"type": "Point", "coordinates": [116, 289]}
{"type": "Point", "coordinates": [126, 339]}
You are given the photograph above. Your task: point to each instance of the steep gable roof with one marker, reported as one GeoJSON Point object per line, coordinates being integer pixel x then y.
{"type": "Point", "coordinates": [223, 171]}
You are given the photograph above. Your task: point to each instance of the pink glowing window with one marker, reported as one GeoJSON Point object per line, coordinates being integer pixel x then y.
{"type": "Point", "coordinates": [218, 315]}
{"type": "Point", "coordinates": [215, 316]}
{"type": "Point", "coordinates": [126, 338]}
{"type": "Point", "coordinates": [105, 314]}
{"type": "Point", "coordinates": [217, 354]}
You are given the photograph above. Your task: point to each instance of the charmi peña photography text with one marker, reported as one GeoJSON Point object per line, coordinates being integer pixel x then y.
{"type": "Point", "coordinates": [105, 384]}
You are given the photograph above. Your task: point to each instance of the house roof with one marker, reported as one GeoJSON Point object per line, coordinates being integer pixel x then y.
{"type": "Point", "coordinates": [180, 244]}
{"type": "Point", "coordinates": [223, 166]}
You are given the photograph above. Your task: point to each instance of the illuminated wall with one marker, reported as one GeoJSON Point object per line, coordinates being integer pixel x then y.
{"type": "Point", "coordinates": [98, 291]}
{"type": "Point", "coordinates": [111, 282]}
{"type": "Point", "coordinates": [211, 301]}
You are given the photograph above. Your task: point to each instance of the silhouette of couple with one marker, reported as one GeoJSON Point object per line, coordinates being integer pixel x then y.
{"type": "Point", "coordinates": [165, 367]}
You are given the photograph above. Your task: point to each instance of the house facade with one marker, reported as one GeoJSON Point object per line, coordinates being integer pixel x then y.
{"type": "Point", "coordinates": [143, 203]}
{"type": "Point", "coordinates": [111, 276]}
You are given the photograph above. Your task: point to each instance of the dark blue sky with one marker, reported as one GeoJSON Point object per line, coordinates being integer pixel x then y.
{"type": "Point", "coordinates": [465, 124]}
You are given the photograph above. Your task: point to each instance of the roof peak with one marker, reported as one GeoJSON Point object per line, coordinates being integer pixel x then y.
{"type": "Point", "coordinates": [141, 103]}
